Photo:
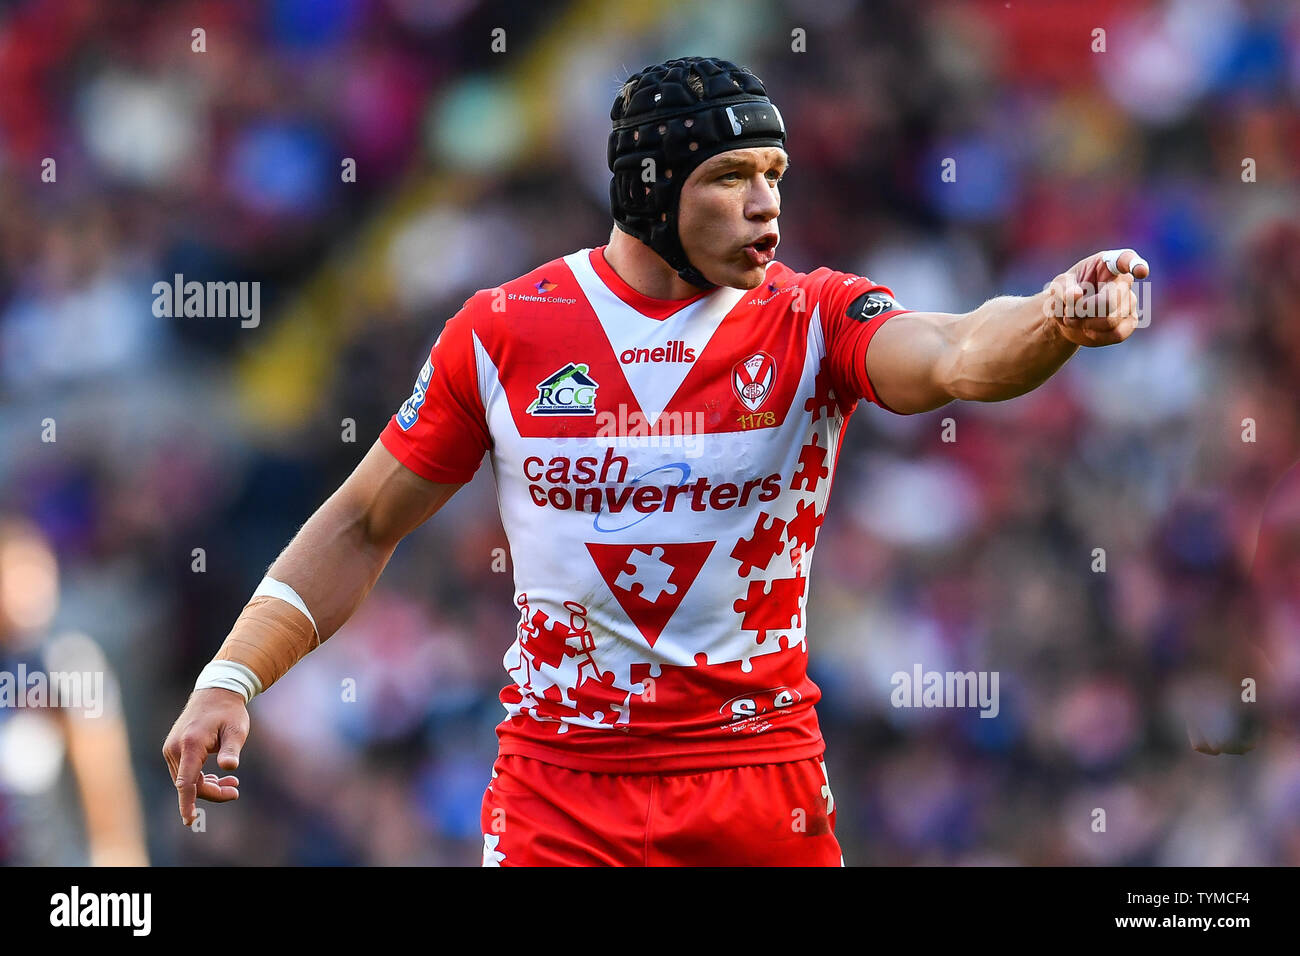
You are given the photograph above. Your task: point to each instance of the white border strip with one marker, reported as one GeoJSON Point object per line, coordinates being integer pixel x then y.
{"type": "Point", "coordinates": [230, 675]}
{"type": "Point", "coordinates": [270, 587]}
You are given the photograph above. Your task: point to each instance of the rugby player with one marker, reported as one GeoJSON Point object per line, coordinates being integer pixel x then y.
{"type": "Point", "coordinates": [663, 415]}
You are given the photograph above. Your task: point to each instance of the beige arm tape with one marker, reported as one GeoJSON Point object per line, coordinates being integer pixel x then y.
{"type": "Point", "coordinates": [272, 633]}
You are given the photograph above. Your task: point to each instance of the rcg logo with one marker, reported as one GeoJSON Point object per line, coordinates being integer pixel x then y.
{"type": "Point", "coordinates": [869, 305]}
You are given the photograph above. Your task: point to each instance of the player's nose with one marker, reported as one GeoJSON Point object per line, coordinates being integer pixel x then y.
{"type": "Point", "coordinates": [764, 203]}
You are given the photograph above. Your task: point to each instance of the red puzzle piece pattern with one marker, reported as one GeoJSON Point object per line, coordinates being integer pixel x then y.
{"type": "Point", "coordinates": [761, 546]}
{"type": "Point", "coordinates": [548, 642]}
{"type": "Point", "coordinates": [599, 696]}
{"type": "Point", "coordinates": [541, 640]}
{"type": "Point", "coordinates": [802, 528]}
{"type": "Point", "coordinates": [823, 399]}
{"type": "Point", "coordinates": [812, 466]}
{"type": "Point", "coordinates": [776, 609]}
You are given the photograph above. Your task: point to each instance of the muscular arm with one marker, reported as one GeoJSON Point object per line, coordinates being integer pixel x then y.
{"type": "Point", "coordinates": [337, 556]}
{"type": "Point", "coordinates": [332, 563]}
{"type": "Point", "coordinates": [918, 361]}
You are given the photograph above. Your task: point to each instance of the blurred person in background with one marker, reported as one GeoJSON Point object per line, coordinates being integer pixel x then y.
{"type": "Point", "coordinates": [42, 736]}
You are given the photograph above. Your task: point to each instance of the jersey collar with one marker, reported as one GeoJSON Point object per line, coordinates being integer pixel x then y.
{"type": "Point", "coordinates": [651, 308]}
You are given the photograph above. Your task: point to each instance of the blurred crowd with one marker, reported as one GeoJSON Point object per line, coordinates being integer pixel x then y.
{"type": "Point", "coordinates": [162, 463]}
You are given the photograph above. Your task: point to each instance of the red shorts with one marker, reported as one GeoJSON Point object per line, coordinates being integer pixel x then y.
{"type": "Point", "coordinates": [777, 814]}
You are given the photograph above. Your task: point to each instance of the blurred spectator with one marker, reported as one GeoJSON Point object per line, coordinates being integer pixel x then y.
{"type": "Point", "coordinates": [60, 709]}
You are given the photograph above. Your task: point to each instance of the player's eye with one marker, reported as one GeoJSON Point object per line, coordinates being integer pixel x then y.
{"type": "Point", "coordinates": [774, 177]}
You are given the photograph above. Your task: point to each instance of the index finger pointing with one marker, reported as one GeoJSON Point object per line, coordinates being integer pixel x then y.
{"type": "Point", "coordinates": [188, 777]}
{"type": "Point", "coordinates": [1125, 260]}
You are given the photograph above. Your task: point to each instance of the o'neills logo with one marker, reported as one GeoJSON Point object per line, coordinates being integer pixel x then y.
{"type": "Point", "coordinates": [602, 486]}
{"type": "Point", "coordinates": [675, 350]}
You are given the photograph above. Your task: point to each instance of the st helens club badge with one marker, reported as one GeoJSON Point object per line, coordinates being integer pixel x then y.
{"type": "Point", "coordinates": [752, 379]}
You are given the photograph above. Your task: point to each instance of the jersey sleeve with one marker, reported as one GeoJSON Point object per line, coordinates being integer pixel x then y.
{"type": "Point", "coordinates": [441, 431]}
{"type": "Point", "coordinates": [852, 309]}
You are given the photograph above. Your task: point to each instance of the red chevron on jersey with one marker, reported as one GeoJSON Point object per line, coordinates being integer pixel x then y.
{"type": "Point", "coordinates": [650, 580]}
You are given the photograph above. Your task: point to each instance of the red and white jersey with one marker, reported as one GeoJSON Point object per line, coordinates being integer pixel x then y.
{"type": "Point", "coordinates": [662, 470]}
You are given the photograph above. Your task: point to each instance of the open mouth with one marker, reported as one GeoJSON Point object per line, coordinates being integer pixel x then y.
{"type": "Point", "coordinates": [761, 250]}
